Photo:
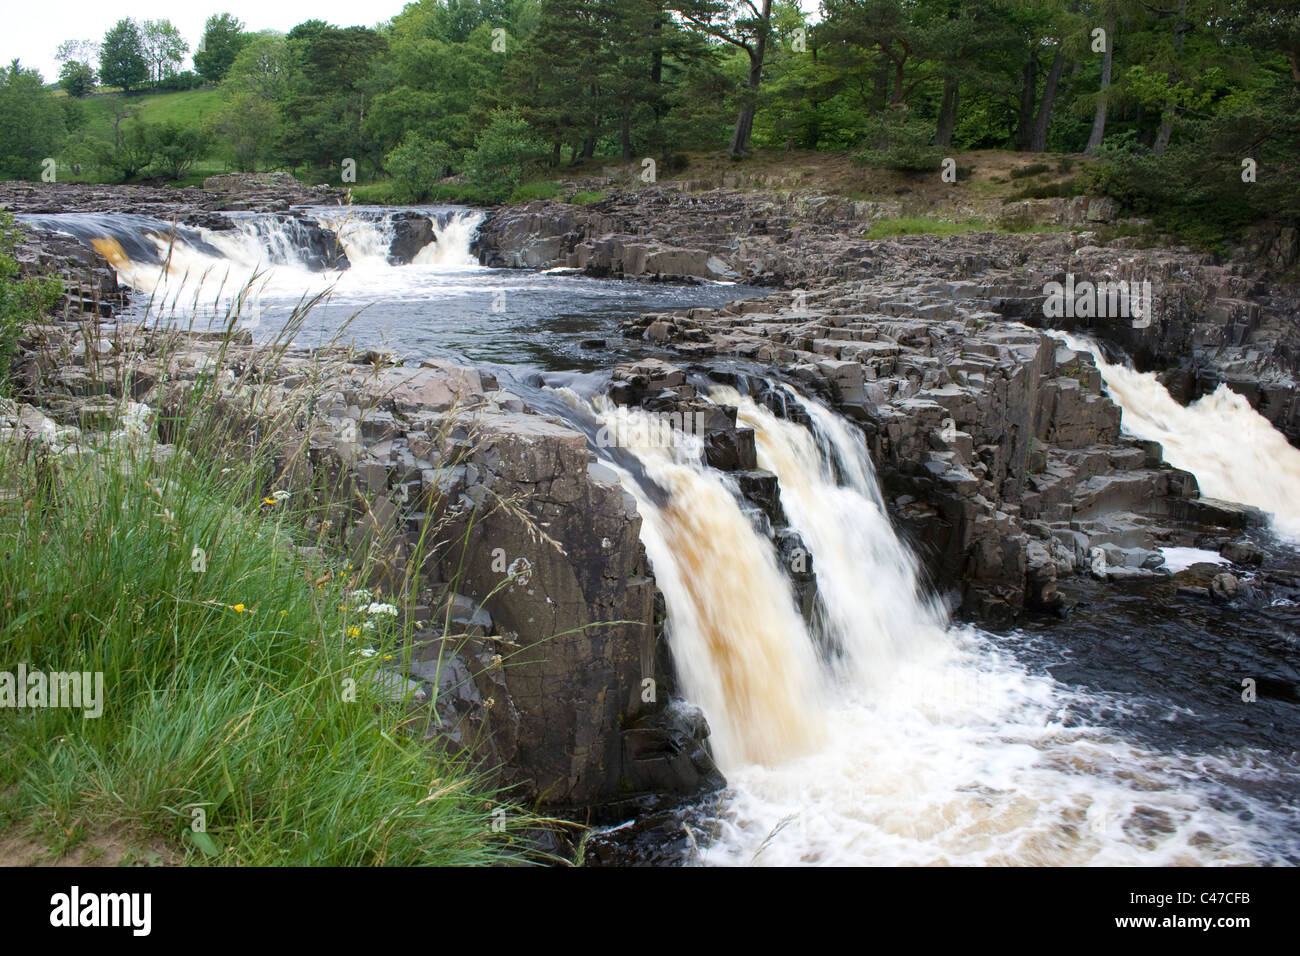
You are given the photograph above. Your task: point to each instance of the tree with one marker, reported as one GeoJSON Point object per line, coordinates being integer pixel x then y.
{"type": "Point", "coordinates": [246, 128]}
{"type": "Point", "coordinates": [84, 50]}
{"type": "Point", "coordinates": [507, 150]}
{"type": "Point", "coordinates": [747, 26]}
{"type": "Point", "coordinates": [263, 67]}
{"type": "Point", "coordinates": [77, 78]}
{"type": "Point", "coordinates": [176, 148]}
{"type": "Point", "coordinates": [121, 56]}
{"type": "Point", "coordinates": [31, 123]}
{"type": "Point", "coordinates": [223, 38]}
{"type": "Point", "coordinates": [164, 48]}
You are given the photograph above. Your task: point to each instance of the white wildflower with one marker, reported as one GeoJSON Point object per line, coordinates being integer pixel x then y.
{"type": "Point", "coordinates": [388, 609]}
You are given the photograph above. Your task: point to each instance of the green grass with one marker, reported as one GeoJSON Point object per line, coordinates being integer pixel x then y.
{"type": "Point", "coordinates": [186, 108]}
{"type": "Point", "coordinates": [527, 192]}
{"type": "Point", "coordinates": [587, 197]}
{"type": "Point", "coordinates": [389, 193]}
{"type": "Point", "coordinates": [922, 226]}
{"type": "Point", "coordinates": [233, 679]}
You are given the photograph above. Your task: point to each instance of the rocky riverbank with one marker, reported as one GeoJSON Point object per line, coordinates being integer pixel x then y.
{"type": "Point", "coordinates": [1000, 455]}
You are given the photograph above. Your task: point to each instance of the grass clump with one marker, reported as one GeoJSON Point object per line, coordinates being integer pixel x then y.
{"type": "Point", "coordinates": [587, 197]}
{"type": "Point", "coordinates": [527, 192]}
{"type": "Point", "coordinates": [247, 715]}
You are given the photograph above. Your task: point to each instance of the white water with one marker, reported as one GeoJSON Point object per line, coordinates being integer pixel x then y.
{"type": "Point", "coordinates": [1233, 450]}
{"type": "Point", "coordinates": [916, 743]}
{"type": "Point", "coordinates": [263, 253]}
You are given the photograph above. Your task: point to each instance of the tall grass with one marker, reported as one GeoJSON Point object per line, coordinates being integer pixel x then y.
{"type": "Point", "coordinates": [248, 714]}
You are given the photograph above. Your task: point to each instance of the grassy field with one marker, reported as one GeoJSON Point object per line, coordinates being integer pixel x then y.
{"type": "Point", "coordinates": [187, 108]}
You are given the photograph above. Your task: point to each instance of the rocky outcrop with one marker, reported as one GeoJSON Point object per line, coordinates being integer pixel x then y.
{"type": "Point", "coordinates": [1000, 455]}
{"type": "Point", "coordinates": [535, 622]}
{"type": "Point", "coordinates": [1213, 322]}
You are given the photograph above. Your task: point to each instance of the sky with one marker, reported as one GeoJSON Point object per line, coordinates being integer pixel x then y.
{"type": "Point", "coordinates": [34, 29]}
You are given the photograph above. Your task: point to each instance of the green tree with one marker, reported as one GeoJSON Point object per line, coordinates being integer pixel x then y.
{"type": "Point", "coordinates": [121, 56]}
{"type": "Point", "coordinates": [507, 151]}
{"type": "Point", "coordinates": [246, 129]}
{"type": "Point", "coordinates": [747, 26]}
{"type": "Point", "coordinates": [163, 47]}
{"type": "Point", "coordinates": [31, 123]}
{"type": "Point", "coordinates": [177, 149]}
{"type": "Point", "coordinates": [77, 78]}
{"type": "Point", "coordinates": [223, 38]}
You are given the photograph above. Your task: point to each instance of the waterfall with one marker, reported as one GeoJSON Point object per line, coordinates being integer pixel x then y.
{"type": "Point", "coordinates": [1234, 451]}
{"type": "Point", "coordinates": [284, 257]}
{"type": "Point", "coordinates": [911, 741]}
{"type": "Point", "coordinates": [734, 628]}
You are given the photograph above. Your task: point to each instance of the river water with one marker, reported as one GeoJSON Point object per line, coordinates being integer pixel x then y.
{"type": "Point", "coordinates": [882, 733]}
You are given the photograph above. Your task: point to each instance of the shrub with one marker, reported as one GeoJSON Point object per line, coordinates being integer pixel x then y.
{"type": "Point", "coordinates": [507, 150]}
{"type": "Point", "coordinates": [899, 141]}
{"type": "Point", "coordinates": [417, 164]}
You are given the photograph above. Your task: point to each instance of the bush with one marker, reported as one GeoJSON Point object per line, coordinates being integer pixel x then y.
{"type": "Point", "coordinates": [77, 78]}
{"type": "Point", "coordinates": [900, 141]}
{"type": "Point", "coordinates": [1033, 169]}
{"type": "Point", "coordinates": [177, 149]}
{"type": "Point", "coordinates": [506, 152]}
{"type": "Point", "coordinates": [417, 165]}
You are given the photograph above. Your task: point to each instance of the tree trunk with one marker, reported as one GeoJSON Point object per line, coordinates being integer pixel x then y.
{"type": "Point", "coordinates": [1039, 142]}
{"type": "Point", "coordinates": [1028, 93]}
{"type": "Point", "coordinates": [947, 112]}
{"type": "Point", "coordinates": [749, 102]}
{"type": "Point", "coordinates": [1099, 120]}
{"type": "Point", "coordinates": [589, 146]}
{"type": "Point", "coordinates": [1167, 114]}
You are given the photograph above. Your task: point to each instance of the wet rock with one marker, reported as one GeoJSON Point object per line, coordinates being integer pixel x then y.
{"type": "Point", "coordinates": [411, 233]}
{"type": "Point", "coordinates": [1243, 552]}
{"type": "Point", "coordinates": [1224, 588]}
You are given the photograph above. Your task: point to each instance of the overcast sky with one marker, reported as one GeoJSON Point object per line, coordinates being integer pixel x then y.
{"type": "Point", "coordinates": [34, 29]}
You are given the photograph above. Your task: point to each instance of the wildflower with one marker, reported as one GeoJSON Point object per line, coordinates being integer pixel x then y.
{"type": "Point", "coordinates": [280, 495]}
{"type": "Point", "coordinates": [268, 501]}
{"type": "Point", "coordinates": [354, 632]}
{"type": "Point", "coordinates": [368, 652]}
{"type": "Point", "coordinates": [361, 595]}
{"type": "Point", "coordinates": [496, 660]}
{"type": "Point", "coordinates": [284, 613]}
{"type": "Point", "coordinates": [239, 608]}
{"type": "Point", "coordinates": [368, 625]}
{"type": "Point", "coordinates": [388, 609]}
